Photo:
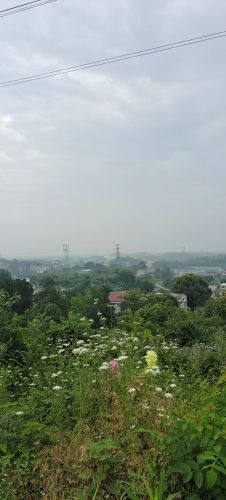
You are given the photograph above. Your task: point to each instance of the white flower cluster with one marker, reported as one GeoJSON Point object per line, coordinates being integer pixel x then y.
{"type": "Point", "coordinates": [54, 375]}
{"type": "Point", "coordinates": [80, 342]}
{"type": "Point", "coordinates": [122, 358]}
{"type": "Point", "coordinates": [104, 366]}
{"type": "Point", "coordinates": [168, 395]}
{"type": "Point", "coordinates": [153, 371]}
{"type": "Point", "coordinates": [80, 350]}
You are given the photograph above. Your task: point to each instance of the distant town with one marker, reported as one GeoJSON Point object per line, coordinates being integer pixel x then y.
{"type": "Point", "coordinates": [145, 271]}
{"type": "Point", "coordinates": [210, 265]}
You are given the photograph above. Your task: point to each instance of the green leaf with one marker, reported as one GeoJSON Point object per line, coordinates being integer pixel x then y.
{"type": "Point", "coordinates": [103, 457]}
{"type": "Point", "coordinates": [85, 474]}
{"type": "Point", "coordinates": [211, 478]}
{"type": "Point", "coordinates": [193, 497]}
{"type": "Point", "coordinates": [206, 455]}
{"type": "Point", "coordinates": [187, 476]}
{"type": "Point", "coordinates": [198, 477]}
{"type": "Point", "coordinates": [114, 487]}
{"type": "Point", "coordinates": [220, 468]}
{"type": "Point", "coordinates": [90, 491]}
{"type": "Point", "coordinates": [3, 448]}
{"type": "Point", "coordinates": [142, 430]}
{"type": "Point", "coordinates": [174, 495]}
{"type": "Point", "coordinates": [182, 468]}
{"type": "Point", "coordinates": [101, 475]}
{"type": "Point", "coordinates": [106, 467]}
{"type": "Point", "coordinates": [6, 459]}
{"type": "Point", "coordinates": [131, 495]}
{"type": "Point", "coordinates": [81, 495]}
{"type": "Point", "coordinates": [193, 464]}
{"type": "Point", "coordinates": [223, 459]}
{"type": "Point", "coordinates": [218, 448]}
{"type": "Point", "coordinates": [208, 466]}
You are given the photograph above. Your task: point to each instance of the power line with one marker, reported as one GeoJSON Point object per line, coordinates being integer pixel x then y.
{"type": "Point", "coordinates": [115, 59]}
{"type": "Point", "coordinates": [25, 6]}
{"type": "Point", "coordinates": [21, 5]}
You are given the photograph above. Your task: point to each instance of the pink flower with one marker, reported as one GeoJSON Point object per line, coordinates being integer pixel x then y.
{"type": "Point", "coordinates": [112, 366]}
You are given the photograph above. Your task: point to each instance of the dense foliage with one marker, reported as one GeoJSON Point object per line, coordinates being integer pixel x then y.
{"type": "Point", "coordinates": [194, 287]}
{"type": "Point", "coordinates": [22, 288]}
{"type": "Point", "coordinates": [75, 280]}
{"type": "Point", "coordinates": [95, 405]}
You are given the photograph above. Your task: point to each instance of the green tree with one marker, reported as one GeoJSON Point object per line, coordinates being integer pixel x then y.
{"type": "Point", "coordinates": [158, 309]}
{"type": "Point", "coordinates": [163, 273]}
{"type": "Point", "coordinates": [5, 274]}
{"type": "Point", "coordinates": [11, 344]}
{"type": "Point", "coordinates": [52, 303]}
{"type": "Point", "coordinates": [157, 313]}
{"type": "Point", "coordinates": [126, 278]}
{"type": "Point", "coordinates": [142, 265]}
{"type": "Point", "coordinates": [183, 328]}
{"type": "Point", "coordinates": [133, 301]}
{"type": "Point", "coordinates": [145, 284]}
{"type": "Point", "coordinates": [23, 289]}
{"type": "Point", "coordinates": [48, 280]}
{"type": "Point", "coordinates": [195, 287]}
{"type": "Point", "coordinates": [217, 308]}
{"type": "Point", "coordinates": [94, 305]}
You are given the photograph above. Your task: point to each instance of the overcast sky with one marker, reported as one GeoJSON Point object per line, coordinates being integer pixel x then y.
{"type": "Point", "coordinates": [132, 152]}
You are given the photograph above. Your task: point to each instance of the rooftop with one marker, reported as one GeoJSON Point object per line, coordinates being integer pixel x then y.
{"type": "Point", "coordinates": [116, 297]}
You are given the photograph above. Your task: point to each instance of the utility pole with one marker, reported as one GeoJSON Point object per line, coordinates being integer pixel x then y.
{"type": "Point", "coordinates": [117, 252]}
{"type": "Point", "coordinates": [66, 251]}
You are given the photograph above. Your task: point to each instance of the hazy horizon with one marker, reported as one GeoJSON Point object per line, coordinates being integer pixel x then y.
{"type": "Point", "coordinates": [132, 152]}
{"type": "Point", "coordinates": [111, 255]}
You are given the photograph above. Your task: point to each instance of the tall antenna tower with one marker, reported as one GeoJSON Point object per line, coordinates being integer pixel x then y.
{"type": "Point", "coordinates": [117, 256]}
{"type": "Point", "coordinates": [66, 251]}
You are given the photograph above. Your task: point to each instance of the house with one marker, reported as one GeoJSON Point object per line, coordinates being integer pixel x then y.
{"type": "Point", "coordinates": [116, 299]}
{"type": "Point", "coordinates": [216, 291]}
{"type": "Point", "coordinates": [143, 272]}
{"type": "Point", "coordinates": [222, 288]}
{"type": "Point", "coordinates": [37, 289]}
{"type": "Point", "coordinates": [181, 299]}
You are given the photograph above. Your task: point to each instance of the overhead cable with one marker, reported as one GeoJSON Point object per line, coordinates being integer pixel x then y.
{"type": "Point", "coordinates": [24, 6]}
{"type": "Point", "coordinates": [115, 59]}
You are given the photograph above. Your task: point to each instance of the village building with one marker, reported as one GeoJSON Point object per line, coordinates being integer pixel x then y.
{"type": "Point", "coordinates": [116, 299]}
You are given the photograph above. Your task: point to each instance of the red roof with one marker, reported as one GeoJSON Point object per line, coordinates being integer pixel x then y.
{"type": "Point", "coordinates": [116, 297]}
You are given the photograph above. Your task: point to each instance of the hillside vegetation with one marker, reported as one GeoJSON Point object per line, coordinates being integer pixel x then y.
{"type": "Point", "coordinates": [98, 406]}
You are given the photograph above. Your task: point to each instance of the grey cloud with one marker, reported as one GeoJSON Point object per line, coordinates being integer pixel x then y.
{"type": "Point", "coordinates": [132, 152]}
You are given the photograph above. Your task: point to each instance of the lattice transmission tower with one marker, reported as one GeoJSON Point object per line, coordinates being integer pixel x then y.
{"type": "Point", "coordinates": [66, 251]}
{"type": "Point", "coordinates": [117, 250]}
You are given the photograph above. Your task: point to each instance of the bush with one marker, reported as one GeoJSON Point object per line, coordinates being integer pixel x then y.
{"type": "Point", "coordinates": [195, 448]}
